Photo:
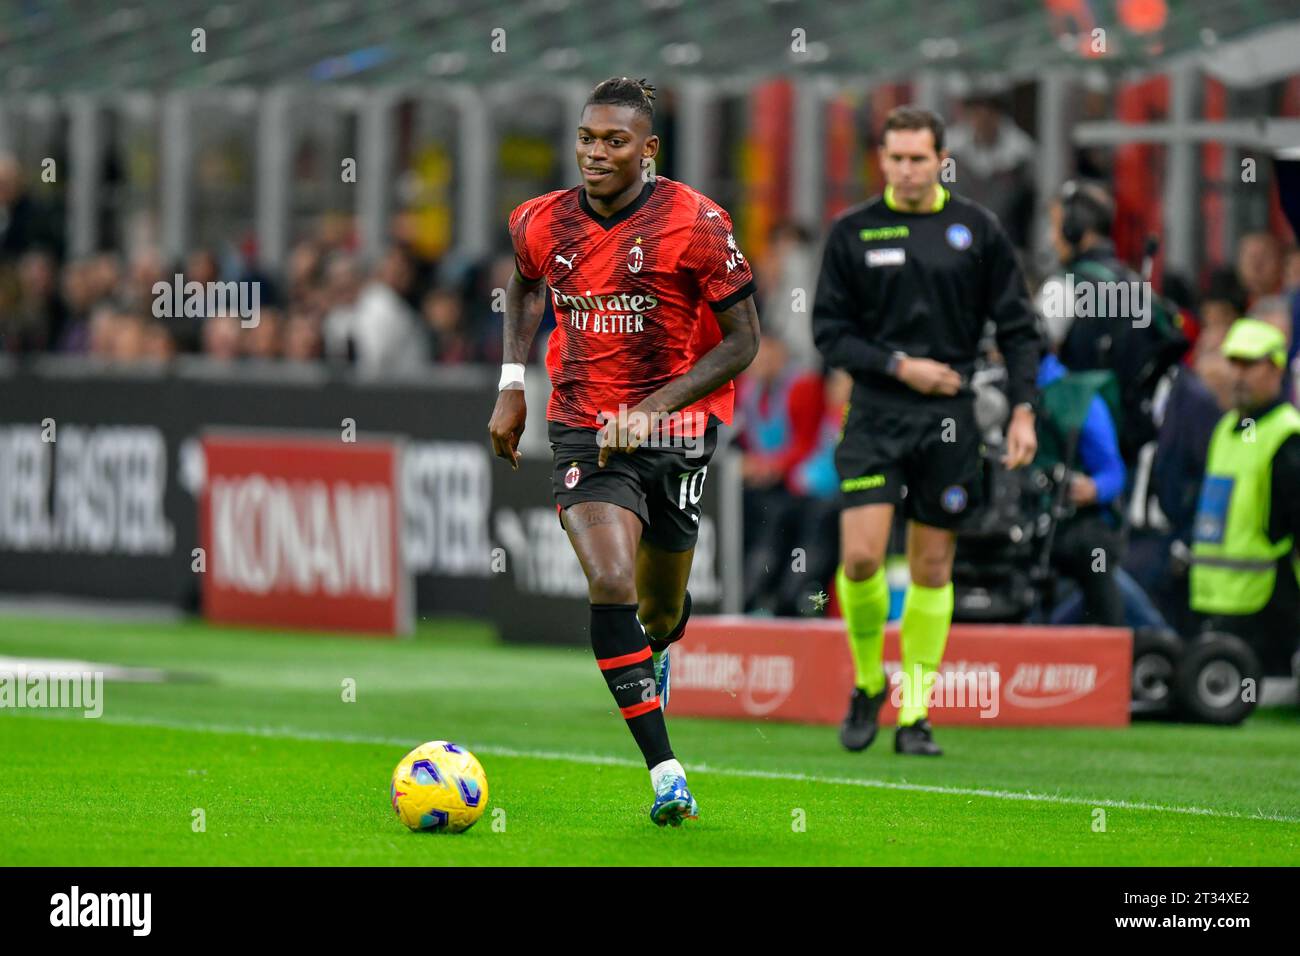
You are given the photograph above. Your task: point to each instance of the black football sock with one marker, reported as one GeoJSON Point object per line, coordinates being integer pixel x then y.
{"type": "Point", "coordinates": [624, 659]}
{"type": "Point", "coordinates": [660, 644]}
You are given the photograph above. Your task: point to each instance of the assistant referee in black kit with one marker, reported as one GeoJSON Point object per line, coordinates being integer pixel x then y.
{"type": "Point", "coordinates": [908, 280]}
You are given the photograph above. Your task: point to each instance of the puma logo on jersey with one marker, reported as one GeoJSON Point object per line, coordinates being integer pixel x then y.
{"type": "Point", "coordinates": [569, 263]}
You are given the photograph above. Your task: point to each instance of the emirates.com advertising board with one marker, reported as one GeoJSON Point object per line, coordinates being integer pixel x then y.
{"type": "Point", "coordinates": [268, 500]}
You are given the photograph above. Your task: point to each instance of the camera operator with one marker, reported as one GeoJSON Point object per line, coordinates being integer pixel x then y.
{"type": "Point", "coordinates": [1139, 349]}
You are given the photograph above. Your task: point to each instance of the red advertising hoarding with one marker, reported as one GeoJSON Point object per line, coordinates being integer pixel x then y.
{"type": "Point", "coordinates": [800, 671]}
{"type": "Point", "coordinates": [303, 532]}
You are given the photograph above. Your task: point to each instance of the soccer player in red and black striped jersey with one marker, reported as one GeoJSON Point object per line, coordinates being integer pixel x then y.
{"type": "Point", "coordinates": [655, 317]}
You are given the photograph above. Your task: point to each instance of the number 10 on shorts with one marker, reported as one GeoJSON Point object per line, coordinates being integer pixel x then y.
{"type": "Point", "coordinates": [692, 485]}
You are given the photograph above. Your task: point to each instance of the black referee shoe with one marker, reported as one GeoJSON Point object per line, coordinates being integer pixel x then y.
{"type": "Point", "coordinates": [859, 727]}
{"type": "Point", "coordinates": [916, 739]}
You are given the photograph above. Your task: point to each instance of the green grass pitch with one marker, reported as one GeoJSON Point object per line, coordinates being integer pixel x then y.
{"type": "Point", "coordinates": [287, 772]}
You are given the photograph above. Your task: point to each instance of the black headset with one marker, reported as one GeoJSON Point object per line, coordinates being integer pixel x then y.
{"type": "Point", "coordinates": [1084, 208]}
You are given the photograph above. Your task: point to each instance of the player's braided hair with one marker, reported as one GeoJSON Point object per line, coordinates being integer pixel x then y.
{"type": "Point", "coordinates": [624, 91]}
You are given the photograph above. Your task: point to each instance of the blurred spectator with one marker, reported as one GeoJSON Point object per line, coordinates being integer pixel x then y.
{"type": "Point", "coordinates": [1276, 310]}
{"type": "Point", "coordinates": [342, 288]}
{"type": "Point", "coordinates": [201, 266]}
{"type": "Point", "coordinates": [101, 331]}
{"type": "Point", "coordinates": [264, 340]}
{"type": "Point", "coordinates": [444, 313]}
{"type": "Point", "coordinates": [159, 345]}
{"type": "Point", "coordinates": [1179, 292]}
{"type": "Point", "coordinates": [815, 475]}
{"type": "Point", "coordinates": [1217, 315]}
{"type": "Point", "coordinates": [995, 165]}
{"type": "Point", "coordinates": [485, 325]}
{"type": "Point", "coordinates": [786, 280]}
{"type": "Point", "coordinates": [386, 333]}
{"type": "Point", "coordinates": [145, 271]}
{"type": "Point", "coordinates": [34, 317]}
{"type": "Point", "coordinates": [130, 339]}
{"type": "Point", "coordinates": [1197, 399]}
{"type": "Point", "coordinates": [335, 232]}
{"type": "Point", "coordinates": [78, 299]}
{"type": "Point", "coordinates": [303, 274]}
{"type": "Point", "coordinates": [1225, 286]}
{"type": "Point", "coordinates": [1259, 265]}
{"type": "Point", "coordinates": [1291, 270]}
{"type": "Point", "coordinates": [221, 340]}
{"type": "Point", "coordinates": [1291, 289]}
{"type": "Point", "coordinates": [105, 273]}
{"type": "Point", "coordinates": [302, 337]}
{"type": "Point", "coordinates": [778, 410]}
{"type": "Point", "coordinates": [19, 226]}
{"type": "Point", "coordinates": [814, 483]}
{"type": "Point", "coordinates": [1213, 369]}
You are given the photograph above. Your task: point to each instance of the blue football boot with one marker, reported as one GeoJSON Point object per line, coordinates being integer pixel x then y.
{"type": "Point", "coordinates": [674, 803]}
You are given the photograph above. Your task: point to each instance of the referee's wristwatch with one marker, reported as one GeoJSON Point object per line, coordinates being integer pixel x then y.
{"type": "Point", "coordinates": [895, 363]}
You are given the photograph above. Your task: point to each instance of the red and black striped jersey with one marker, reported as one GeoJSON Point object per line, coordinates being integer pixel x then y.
{"type": "Point", "coordinates": [634, 295]}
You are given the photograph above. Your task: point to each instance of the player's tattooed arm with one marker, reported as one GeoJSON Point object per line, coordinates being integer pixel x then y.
{"type": "Point", "coordinates": [719, 365]}
{"type": "Point", "coordinates": [524, 309]}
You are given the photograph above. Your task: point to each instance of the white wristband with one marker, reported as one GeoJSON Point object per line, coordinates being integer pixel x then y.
{"type": "Point", "coordinates": [512, 373]}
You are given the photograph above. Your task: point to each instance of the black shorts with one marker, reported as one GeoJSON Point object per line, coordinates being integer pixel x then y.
{"type": "Point", "coordinates": [661, 486]}
{"type": "Point", "coordinates": [931, 449]}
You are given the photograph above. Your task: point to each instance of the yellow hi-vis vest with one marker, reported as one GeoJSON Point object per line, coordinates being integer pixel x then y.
{"type": "Point", "coordinates": [1234, 564]}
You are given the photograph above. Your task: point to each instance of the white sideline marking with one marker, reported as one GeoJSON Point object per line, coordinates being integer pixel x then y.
{"type": "Point", "coordinates": [21, 666]}
{"type": "Point", "coordinates": [288, 733]}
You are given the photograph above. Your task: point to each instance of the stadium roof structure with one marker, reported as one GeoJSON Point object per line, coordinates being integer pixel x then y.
{"type": "Point", "coordinates": [102, 45]}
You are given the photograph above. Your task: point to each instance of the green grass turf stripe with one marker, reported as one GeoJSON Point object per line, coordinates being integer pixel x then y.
{"type": "Point", "coordinates": [696, 768]}
{"type": "Point", "coordinates": [89, 793]}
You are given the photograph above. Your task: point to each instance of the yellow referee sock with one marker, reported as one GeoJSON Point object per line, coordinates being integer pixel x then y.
{"type": "Point", "coordinates": [927, 615]}
{"type": "Point", "coordinates": [865, 605]}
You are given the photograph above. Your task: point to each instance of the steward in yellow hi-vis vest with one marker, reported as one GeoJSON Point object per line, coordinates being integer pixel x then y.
{"type": "Point", "coordinates": [1244, 561]}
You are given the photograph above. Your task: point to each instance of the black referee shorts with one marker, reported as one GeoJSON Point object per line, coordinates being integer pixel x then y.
{"type": "Point", "coordinates": [926, 457]}
{"type": "Point", "coordinates": [662, 486]}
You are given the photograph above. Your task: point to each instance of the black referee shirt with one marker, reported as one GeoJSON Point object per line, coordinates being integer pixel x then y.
{"type": "Point", "coordinates": [922, 283]}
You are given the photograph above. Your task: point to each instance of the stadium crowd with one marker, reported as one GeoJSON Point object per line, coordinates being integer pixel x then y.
{"type": "Point", "coordinates": [326, 304]}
